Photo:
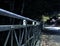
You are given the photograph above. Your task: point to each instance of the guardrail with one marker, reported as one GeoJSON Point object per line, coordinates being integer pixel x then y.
{"type": "Point", "coordinates": [19, 35]}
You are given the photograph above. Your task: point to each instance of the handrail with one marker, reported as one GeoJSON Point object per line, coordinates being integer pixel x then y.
{"type": "Point", "coordinates": [10, 14]}
{"type": "Point", "coordinates": [10, 27]}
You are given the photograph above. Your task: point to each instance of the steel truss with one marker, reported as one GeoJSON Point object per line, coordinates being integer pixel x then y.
{"type": "Point", "coordinates": [21, 35]}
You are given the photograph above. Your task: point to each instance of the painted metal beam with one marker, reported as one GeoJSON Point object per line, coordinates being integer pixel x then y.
{"type": "Point", "coordinates": [10, 27]}
{"type": "Point", "coordinates": [52, 30]}
{"type": "Point", "coordinates": [13, 15]}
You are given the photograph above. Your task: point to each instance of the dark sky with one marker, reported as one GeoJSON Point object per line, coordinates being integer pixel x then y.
{"type": "Point", "coordinates": [32, 8]}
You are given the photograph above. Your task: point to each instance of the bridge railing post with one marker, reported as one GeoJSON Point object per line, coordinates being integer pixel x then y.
{"type": "Point", "coordinates": [33, 41]}
{"type": "Point", "coordinates": [25, 29]}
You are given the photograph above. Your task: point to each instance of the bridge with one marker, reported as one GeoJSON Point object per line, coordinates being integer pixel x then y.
{"type": "Point", "coordinates": [22, 31]}
{"type": "Point", "coordinates": [25, 33]}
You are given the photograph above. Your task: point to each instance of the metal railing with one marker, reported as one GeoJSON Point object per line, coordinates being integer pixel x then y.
{"type": "Point", "coordinates": [21, 34]}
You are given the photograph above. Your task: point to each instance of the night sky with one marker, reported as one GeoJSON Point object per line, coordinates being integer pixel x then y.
{"type": "Point", "coordinates": [32, 8]}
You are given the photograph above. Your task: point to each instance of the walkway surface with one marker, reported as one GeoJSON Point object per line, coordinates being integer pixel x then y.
{"type": "Point", "coordinates": [50, 40]}
{"type": "Point", "coordinates": [38, 43]}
